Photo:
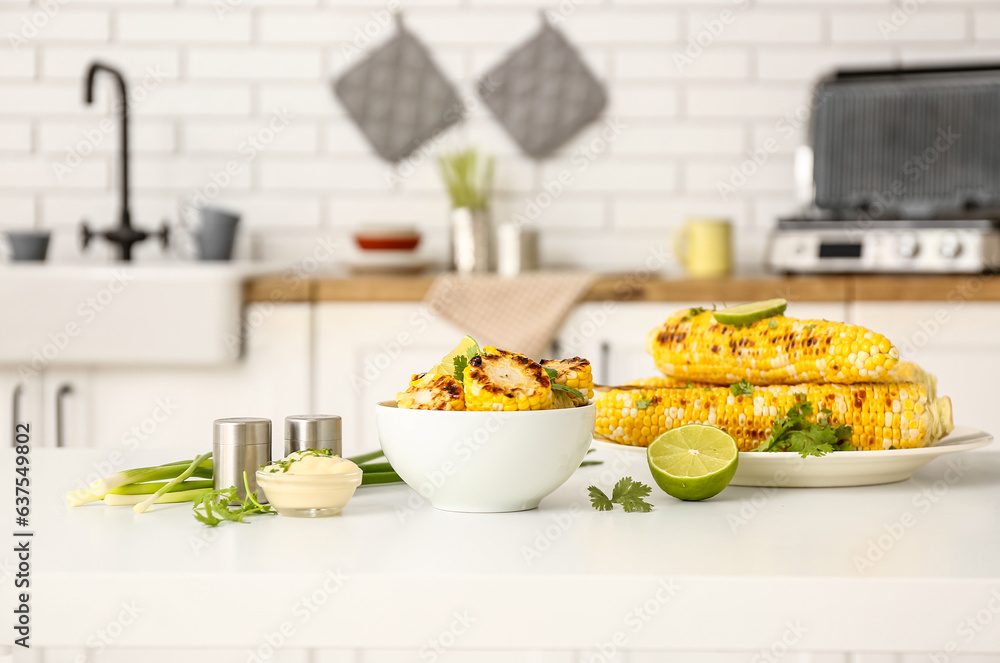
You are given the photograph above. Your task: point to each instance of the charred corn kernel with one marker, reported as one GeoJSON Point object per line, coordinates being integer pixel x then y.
{"type": "Point", "coordinates": [506, 381]}
{"type": "Point", "coordinates": [432, 392]}
{"type": "Point", "coordinates": [636, 415]}
{"type": "Point", "coordinates": [575, 373]}
{"type": "Point", "coordinates": [777, 350]}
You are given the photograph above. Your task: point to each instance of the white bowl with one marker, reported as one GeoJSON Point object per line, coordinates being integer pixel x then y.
{"type": "Point", "coordinates": [485, 461]}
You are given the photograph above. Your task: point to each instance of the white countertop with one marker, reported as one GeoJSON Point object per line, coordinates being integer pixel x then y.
{"type": "Point", "coordinates": [745, 567]}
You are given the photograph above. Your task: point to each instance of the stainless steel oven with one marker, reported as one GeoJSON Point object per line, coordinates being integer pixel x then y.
{"type": "Point", "coordinates": [903, 174]}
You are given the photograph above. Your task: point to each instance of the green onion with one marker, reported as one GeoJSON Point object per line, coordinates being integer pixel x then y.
{"type": "Point", "coordinates": [150, 488]}
{"type": "Point", "coordinates": [377, 467]}
{"type": "Point", "coordinates": [81, 497]}
{"type": "Point", "coordinates": [111, 499]}
{"type": "Point", "coordinates": [149, 501]}
{"type": "Point", "coordinates": [364, 458]}
{"type": "Point", "coordinates": [102, 487]}
{"type": "Point", "coordinates": [370, 478]}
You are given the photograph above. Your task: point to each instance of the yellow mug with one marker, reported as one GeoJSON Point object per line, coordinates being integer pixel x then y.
{"type": "Point", "coordinates": [704, 247]}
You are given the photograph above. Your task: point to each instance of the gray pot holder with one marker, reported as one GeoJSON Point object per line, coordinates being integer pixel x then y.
{"type": "Point", "coordinates": [543, 93]}
{"type": "Point", "coordinates": [398, 96]}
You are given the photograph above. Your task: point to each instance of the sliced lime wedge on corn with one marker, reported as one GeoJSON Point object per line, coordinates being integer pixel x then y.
{"type": "Point", "coordinates": [693, 462]}
{"type": "Point", "coordinates": [744, 314]}
{"type": "Point", "coordinates": [467, 348]}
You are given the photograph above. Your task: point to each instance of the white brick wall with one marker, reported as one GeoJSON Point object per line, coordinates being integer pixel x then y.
{"type": "Point", "coordinates": [691, 112]}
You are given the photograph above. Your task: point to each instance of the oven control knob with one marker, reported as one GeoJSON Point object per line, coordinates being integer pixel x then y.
{"type": "Point", "coordinates": [951, 246]}
{"type": "Point", "coordinates": [908, 246]}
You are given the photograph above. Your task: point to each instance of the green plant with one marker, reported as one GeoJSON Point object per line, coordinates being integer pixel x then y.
{"type": "Point", "coordinates": [469, 179]}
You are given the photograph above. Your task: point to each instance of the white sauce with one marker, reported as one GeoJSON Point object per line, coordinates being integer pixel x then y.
{"type": "Point", "coordinates": [310, 464]}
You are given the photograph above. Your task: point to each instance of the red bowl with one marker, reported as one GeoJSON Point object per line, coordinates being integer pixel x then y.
{"type": "Point", "coordinates": [387, 242]}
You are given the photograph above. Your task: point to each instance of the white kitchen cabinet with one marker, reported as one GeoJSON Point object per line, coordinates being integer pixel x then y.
{"type": "Point", "coordinates": [128, 408]}
{"type": "Point", "coordinates": [366, 353]}
{"type": "Point", "coordinates": [21, 402]}
{"type": "Point", "coordinates": [955, 340]}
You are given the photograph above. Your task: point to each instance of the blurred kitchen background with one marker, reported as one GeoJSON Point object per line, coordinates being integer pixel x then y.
{"type": "Point", "coordinates": [687, 110]}
{"type": "Point", "coordinates": [224, 68]}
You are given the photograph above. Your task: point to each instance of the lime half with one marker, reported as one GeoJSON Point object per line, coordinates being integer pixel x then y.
{"type": "Point", "coordinates": [693, 462]}
{"type": "Point", "coordinates": [467, 348]}
{"type": "Point", "coordinates": [744, 314]}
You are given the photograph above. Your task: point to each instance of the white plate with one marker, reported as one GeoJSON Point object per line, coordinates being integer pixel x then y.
{"type": "Point", "coordinates": [786, 469]}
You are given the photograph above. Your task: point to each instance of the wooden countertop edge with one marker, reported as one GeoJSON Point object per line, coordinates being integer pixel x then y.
{"type": "Point", "coordinates": [634, 288]}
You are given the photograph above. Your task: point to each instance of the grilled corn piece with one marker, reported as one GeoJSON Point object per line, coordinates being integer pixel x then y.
{"type": "Point", "coordinates": [501, 380]}
{"type": "Point", "coordinates": [432, 391]}
{"type": "Point", "coordinates": [883, 416]}
{"type": "Point", "coordinates": [778, 350]}
{"type": "Point", "coordinates": [575, 373]}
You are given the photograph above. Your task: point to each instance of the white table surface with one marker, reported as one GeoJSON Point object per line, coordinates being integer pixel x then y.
{"type": "Point", "coordinates": [745, 568]}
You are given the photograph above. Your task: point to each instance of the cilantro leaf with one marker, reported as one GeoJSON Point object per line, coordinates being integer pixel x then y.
{"type": "Point", "coordinates": [795, 432]}
{"type": "Point", "coordinates": [697, 310]}
{"type": "Point", "coordinates": [569, 390]}
{"type": "Point", "coordinates": [741, 388]}
{"type": "Point", "coordinates": [642, 405]}
{"type": "Point", "coordinates": [553, 374]}
{"type": "Point", "coordinates": [629, 494]}
{"type": "Point", "coordinates": [461, 361]}
{"type": "Point", "coordinates": [772, 324]}
{"type": "Point", "coordinates": [599, 500]}
{"type": "Point", "coordinates": [626, 492]}
{"type": "Point", "coordinates": [811, 325]}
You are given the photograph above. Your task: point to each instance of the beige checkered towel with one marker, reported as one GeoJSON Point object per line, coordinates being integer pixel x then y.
{"type": "Point", "coordinates": [521, 313]}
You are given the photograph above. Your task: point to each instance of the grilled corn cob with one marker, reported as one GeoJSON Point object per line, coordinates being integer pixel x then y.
{"type": "Point", "coordinates": [883, 416]}
{"type": "Point", "coordinates": [573, 373]}
{"type": "Point", "coordinates": [778, 350]}
{"type": "Point", "coordinates": [432, 391]}
{"type": "Point", "coordinates": [502, 380]}
{"type": "Point", "coordinates": [904, 371]}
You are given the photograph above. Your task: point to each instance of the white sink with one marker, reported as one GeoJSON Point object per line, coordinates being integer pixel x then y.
{"type": "Point", "coordinates": [131, 314]}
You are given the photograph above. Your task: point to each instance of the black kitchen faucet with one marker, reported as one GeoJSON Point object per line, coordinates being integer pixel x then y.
{"type": "Point", "coordinates": [124, 236]}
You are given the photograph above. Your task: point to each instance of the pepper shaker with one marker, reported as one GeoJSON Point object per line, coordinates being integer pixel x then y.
{"type": "Point", "coordinates": [313, 431]}
{"type": "Point", "coordinates": [240, 444]}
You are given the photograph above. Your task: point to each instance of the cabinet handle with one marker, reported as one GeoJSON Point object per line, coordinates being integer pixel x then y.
{"type": "Point", "coordinates": [64, 390]}
{"type": "Point", "coordinates": [16, 410]}
{"type": "Point", "coordinates": [605, 362]}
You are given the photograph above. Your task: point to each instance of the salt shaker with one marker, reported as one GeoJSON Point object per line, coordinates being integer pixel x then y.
{"type": "Point", "coordinates": [240, 444]}
{"type": "Point", "coordinates": [313, 431]}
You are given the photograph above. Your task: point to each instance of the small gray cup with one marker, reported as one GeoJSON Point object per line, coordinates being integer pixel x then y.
{"type": "Point", "coordinates": [216, 234]}
{"type": "Point", "coordinates": [28, 245]}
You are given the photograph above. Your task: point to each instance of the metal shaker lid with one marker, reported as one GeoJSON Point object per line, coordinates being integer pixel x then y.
{"type": "Point", "coordinates": [241, 431]}
{"type": "Point", "coordinates": [313, 428]}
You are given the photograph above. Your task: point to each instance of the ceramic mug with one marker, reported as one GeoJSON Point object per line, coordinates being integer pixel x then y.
{"type": "Point", "coordinates": [28, 245]}
{"type": "Point", "coordinates": [212, 236]}
{"type": "Point", "coordinates": [703, 246]}
{"type": "Point", "coordinates": [217, 233]}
